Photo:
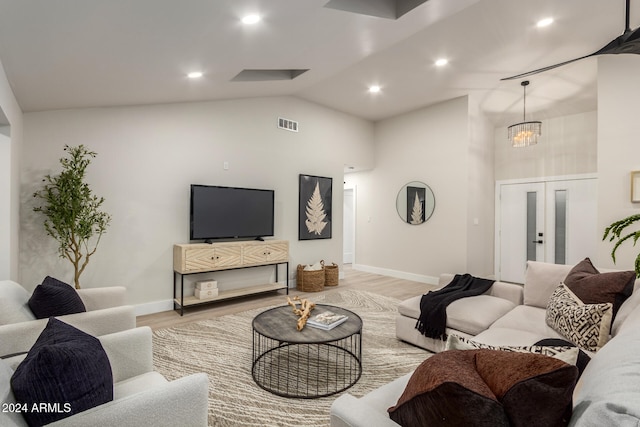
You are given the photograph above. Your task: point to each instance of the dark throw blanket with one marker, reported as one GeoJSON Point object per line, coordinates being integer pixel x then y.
{"type": "Point", "coordinates": [433, 305]}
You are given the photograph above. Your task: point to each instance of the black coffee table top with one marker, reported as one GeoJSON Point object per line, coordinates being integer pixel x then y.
{"type": "Point", "coordinates": [279, 323]}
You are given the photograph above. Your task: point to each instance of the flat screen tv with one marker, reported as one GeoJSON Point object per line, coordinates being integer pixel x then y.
{"type": "Point", "coordinates": [229, 212]}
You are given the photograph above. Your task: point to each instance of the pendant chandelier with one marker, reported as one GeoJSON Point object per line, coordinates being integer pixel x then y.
{"type": "Point", "coordinates": [524, 133]}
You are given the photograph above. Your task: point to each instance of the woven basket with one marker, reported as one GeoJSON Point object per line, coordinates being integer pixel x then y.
{"type": "Point", "coordinates": [331, 273]}
{"type": "Point", "coordinates": [310, 280]}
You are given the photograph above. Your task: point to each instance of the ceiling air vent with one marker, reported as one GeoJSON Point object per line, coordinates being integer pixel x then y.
{"type": "Point", "coordinates": [287, 124]}
{"type": "Point", "coordinates": [390, 9]}
{"type": "Point", "coordinates": [267, 75]}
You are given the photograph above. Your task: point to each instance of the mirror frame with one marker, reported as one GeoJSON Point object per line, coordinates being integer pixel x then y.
{"type": "Point", "coordinates": [424, 202]}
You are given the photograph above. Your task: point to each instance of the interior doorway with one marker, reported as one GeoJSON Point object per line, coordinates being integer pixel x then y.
{"type": "Point", "coordinates": [349, 225]}
{"type": "Point", "coordinates": [553, 220]}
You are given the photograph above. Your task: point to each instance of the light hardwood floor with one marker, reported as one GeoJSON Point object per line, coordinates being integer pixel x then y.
{"type": "Point", "coordinates": [396, 288]}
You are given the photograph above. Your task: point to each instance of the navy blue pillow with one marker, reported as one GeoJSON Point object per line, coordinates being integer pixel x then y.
{"type": "Point", "coordinates": [67, 369]}
{"type": "Point", "coordinates": [55, 298]}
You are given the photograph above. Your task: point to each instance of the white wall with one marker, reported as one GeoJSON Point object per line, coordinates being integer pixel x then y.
{"type": "Point", "coordinates": [618, 150]}
{"type": "Point", "coordinates": [481, 188]}
{"type": "Point", "coordinates": [568, 146]}
{"type": "Point", "coordinates": [148, 156]}
{"type": "Point", "coordinates": [11, 110]}
{"type": "Point", "coordinates": [429, 145]}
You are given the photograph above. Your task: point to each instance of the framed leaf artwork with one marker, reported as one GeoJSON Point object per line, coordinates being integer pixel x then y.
{"type": "Point", "coordinates": [314, 210]}
{"type": "Point", "coordinates": [416, 197]}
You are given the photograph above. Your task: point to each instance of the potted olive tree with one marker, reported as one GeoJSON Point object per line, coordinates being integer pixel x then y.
{"type": "Point", "coordinates": [72, 213]}
{"type": "Point", "coordinates": [614, 232]}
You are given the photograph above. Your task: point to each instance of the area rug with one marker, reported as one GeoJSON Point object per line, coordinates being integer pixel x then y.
{"type": "Point", "coordinates": [222, 347]}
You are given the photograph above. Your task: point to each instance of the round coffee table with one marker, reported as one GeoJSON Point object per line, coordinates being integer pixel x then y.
{"type": "Point", "coordinates": [309, 363]}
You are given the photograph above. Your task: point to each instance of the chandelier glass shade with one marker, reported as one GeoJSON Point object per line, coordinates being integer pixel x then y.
{"type": "Point", "coordinates": [525, 133]}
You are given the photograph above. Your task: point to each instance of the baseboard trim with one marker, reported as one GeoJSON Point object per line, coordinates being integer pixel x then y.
{"type": "Point", "coordinates": [397, 274]}
{"type": "Point", "coordinates": [153, 307]}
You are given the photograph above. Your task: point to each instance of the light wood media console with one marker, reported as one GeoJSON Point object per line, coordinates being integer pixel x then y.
{"type": "Point", "coordinates": [197, 258]}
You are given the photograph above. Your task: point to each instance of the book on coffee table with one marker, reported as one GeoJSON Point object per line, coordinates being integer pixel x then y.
{"type": "Point", "coordinates": [326, 320]}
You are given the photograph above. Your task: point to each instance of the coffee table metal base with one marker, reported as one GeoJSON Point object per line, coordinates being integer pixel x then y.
{"type": "Point", "coordinates": [306, 370]}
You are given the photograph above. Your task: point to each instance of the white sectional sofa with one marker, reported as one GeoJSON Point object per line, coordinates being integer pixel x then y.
{"type": "Point", "coordinates": [508, 314]}
{"type": "Point", "coordinates": [608, 392]}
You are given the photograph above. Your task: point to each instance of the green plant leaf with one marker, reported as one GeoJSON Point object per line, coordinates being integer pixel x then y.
{"type": "Point", "coordinates": [615, 230]}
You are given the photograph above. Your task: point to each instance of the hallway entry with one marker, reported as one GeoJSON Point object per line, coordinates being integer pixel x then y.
{"type": "Point", "coordinates": [349, 226]}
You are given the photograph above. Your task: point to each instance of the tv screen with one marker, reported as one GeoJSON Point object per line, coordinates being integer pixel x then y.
{"type": "Point", "coordinates": [228, 212]}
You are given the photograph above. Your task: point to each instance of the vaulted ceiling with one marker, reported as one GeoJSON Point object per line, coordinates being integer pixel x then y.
{"type": "Point", "coordinates": [94, 53]}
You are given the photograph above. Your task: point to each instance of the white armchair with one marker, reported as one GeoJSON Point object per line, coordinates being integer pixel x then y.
{"type": "Point", "coordinates": [141, 395]}
{"type": "Point", "coordinates": [19, 329]}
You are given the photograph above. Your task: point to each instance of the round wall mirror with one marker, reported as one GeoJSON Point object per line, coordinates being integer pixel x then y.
{"type": "Point", "coordinates": [415, 203]}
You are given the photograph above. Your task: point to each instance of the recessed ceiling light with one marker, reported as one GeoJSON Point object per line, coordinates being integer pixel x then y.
{"type": "Point", "coordinates": [251, 19]}
{"type": "Point", "coordinates": [544, 22]}
{"type": "Point", "coordinates": [442, 62]}
{"type": "Point", "coordinates": [374, 89]}
{"type": "Point", "coordinates": [195, 75]}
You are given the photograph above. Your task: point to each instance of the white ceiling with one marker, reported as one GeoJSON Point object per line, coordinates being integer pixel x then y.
{"type": "Point", "coordinates": [94, 53]}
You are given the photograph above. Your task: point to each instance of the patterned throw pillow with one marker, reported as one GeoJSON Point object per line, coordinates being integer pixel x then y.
{"type": "Point", "coordinates": [586, 325]}
{"type": "Point", "coordinates": [567, 354]}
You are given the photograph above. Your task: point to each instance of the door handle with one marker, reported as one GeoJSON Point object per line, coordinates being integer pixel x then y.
{"type": "Point", "coordinates": [537, 241]}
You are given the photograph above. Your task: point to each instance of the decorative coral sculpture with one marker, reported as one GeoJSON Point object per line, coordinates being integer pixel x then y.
{"type": "Point", "coordinates": [304, 311]}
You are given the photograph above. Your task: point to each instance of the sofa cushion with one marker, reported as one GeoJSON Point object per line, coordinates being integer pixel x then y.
{"type": "Point", "coordinates": [566, 353]}
{"type": "Point", "coordinates": [55, 298]}
{"type": "Point", "coordinates": [471, 314]}
{"type": "Point", "coordinates": [586, 325]}
{"type": "Point", "coordinates": [66, 367]}
{"type": "Point", "coordinates": [9, 417]}
{"type": "Point", "coordinates": [541, 279]}
{"type": "Point", "coordinates": [475, 314]}
{"type": "Point", "coordinates": [593, 287]}
{"type": "Point", "coordinates": [609, 394]}
{"type": "Point", "coordinates": [487, 387]}
{"type": "Point", "coordinates": [625, 311]}
{"type": "Point", "coordinates": [529, 319]}
{"type": "Point", "coordinates": [411, 307]}
{"type": "Point", "coordinates": [14, 306]}
{"type": "Point", "coordinates": [137, 384]}
{"type": "Point", "coordinates": [632, 320]}
{"type": "Point", "coordinates": [10, 312]}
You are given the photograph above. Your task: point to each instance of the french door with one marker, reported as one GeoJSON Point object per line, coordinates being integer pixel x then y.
{"type": "Point", "coordinates": [553, 221]}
